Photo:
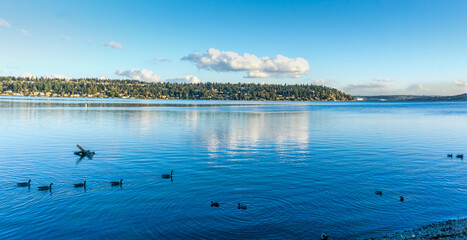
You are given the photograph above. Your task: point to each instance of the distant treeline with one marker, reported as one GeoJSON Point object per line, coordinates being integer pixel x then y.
{"type": "Point", "coordinates": [137, 89]}
{"type": "Point", "coordinates": [460, 97]}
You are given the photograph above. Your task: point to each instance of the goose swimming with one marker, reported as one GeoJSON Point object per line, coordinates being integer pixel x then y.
{"type": "Point", "coordinates": [168, 175]}
{"type": "Point", "coordinates": [25, 184]}
{"type": "Point", "coordinates": [241, 206]}
{"type": "Point", "coordinates": [80, 184]}
{"type": "Point", "coordinates": [117, 183]}
{"type": "Point", "coordinates": [43, 188]}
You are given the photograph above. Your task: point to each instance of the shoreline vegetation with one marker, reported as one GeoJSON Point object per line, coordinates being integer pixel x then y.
{"type": "Point", "coordinates": [449, 229]}
{"type": "Point", "coordinates": [96, 88]}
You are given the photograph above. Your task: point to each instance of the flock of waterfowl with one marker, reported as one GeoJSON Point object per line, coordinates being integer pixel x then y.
{"type": "Point", "coordinates": [86, 153]}
{"type": "Point", "coordinates": [79, 185]}
{"type": "Point", "coordinates": [90, 154]}
{"type": "Point", "coordinates": [82, 153]}
{"type": "Point", "coordinates": [117, 183]}
{"type": "Point", "coordinates": [377, 192]}
{"type": "Point", "coordinates": [401, 198]}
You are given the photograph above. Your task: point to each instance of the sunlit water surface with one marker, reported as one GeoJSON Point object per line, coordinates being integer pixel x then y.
{"type": "Point", "coordinates": [300, 168]}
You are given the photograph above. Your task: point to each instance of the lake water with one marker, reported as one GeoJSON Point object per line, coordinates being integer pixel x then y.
{"type": "Point", "coordinates": [301, 168]}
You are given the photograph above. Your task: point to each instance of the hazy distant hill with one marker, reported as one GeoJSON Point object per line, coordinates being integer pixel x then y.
{"type": "Point", "coordinates": [137, 89]}
{"type": "Point", "coordinates": [461, 97]}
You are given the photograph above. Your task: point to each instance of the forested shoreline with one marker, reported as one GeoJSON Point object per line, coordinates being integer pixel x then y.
{"type": "Point", "coordinates": [95, 88]}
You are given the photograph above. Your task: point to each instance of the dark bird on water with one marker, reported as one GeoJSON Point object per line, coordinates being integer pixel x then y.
{"type": "Point", "coordinates": [460, 156]}
{"type": "Point", "coordinates": [379, 193]}
{"type": "Point", "coordinates": [84, 153]}
{"type": "Point", "coordinates": [450, 155]}
{"type": "Point", "coordinates": [214, 204]}
{"type": "Point", "coordinates": [324, 236]}
{"type": "Point", "coordinates": [117, 183]}
{"type": "Point", "coordinates": [241, 206]}
{"type": "Point", "coordinates": [402, 198]}
{"type": "Point", "coordinates": [25, 184]}
{"type": "Point", "coordinates": [168, 175]}
{"type": "Point", "coordinates": [81, 184]}
{"type": "Point", "coordinates": [42, 188]}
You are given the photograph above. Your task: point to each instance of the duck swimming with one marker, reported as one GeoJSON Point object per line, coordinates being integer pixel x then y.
{"type": "Point", "coordinates": [214, 204]}
{"type": "Point", "coordinates": [450, 155]}
{"type": "Point", "coordinates": [168, 175]}
{"type": "Point", "coordinates": [25, 184]}
{"type": "Point", "coordinates": [81, 184]}
{"type": "Point", "coordinates": [460, 156]}
{"type": "Point", "coordinates": [241, 206]}
{"type": "Point", "coordinates": [117, 183]}
{"type": "Point", "coordinates": [379, 193]}
{"type": "Point", "coordinates": [402, 198]}
{"type": "Point", "coordinates": [43, 188]}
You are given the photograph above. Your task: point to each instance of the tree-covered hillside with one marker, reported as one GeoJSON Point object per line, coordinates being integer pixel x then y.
{"type": "Point", "coordinates": [136, 89]}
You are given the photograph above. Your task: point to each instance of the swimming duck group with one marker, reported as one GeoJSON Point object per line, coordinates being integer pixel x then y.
{"type": "Point", "coordinates": [49, 187]}
{"type": "Point", "coordinates": [461, 156]}
{"type": "Point", "coordinates": [40, 188]}
{"type": "Point", "coordinates": [83, 184]}
{"type": "Point", "coordinates": [216, 204]}
{"type": "Point", "coordinates": [377, 192]}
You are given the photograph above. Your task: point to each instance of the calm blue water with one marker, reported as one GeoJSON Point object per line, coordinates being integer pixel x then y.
{"type": "Point", "coordinates": [300, 168]}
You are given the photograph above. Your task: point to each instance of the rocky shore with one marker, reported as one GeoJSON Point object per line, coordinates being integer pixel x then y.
{"type": "Point", "coordinates": [450, 229]}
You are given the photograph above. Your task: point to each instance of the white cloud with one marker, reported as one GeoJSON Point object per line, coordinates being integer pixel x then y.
{"type": "Point", "coordinates": [185, 79]}
{"type": "Point", "coordinates": [24, 32]}
{"type": "Point", "coordinates": [417, 88]}
{"type": "Point", "coordinates": [102, 78]}
{"type": "Point", "coordinates": [158, 59]}
{"type": "Point", "coordinates": [460, 84]}
{"type": "Point", "coordinates": [321, 81]}
{"type": "Point", "coordinates": [66, 37]}
{"type": "Point", "coordinates": [369, 89]}
{"type": "Point", "coordinates": [27, 75]}
{"type": "Point", "coordinates": [264, 67]}
{"type": "Point", "coordinates": [55, 76]}
{"type": "Point", "coordinates": [4, 23]}
{"type": "Point", "coordinates": [148, 76]}
{"type": "Point", "coordinates": [384, 80]}
{"type": "Point", "coordinates": [113, 44]}
{"type": "Point", "coordinates": [139, 74]}
{"type": "Point", "coordinates": [318, 81]}
{"type": "Point", "coordinates": [367, 86]}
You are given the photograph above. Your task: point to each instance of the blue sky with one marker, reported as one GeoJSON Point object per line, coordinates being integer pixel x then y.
{"type": "Point", "coordinates": [361, 47]}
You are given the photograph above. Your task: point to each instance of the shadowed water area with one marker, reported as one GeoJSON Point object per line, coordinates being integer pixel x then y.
{"type": "Point", "coordinates": [300, 168]}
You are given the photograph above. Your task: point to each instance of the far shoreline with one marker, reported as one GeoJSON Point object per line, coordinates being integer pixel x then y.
{"type": "Point", "coordinates": [373, 99]}
{"type": "Point", "coordinates": [125, 98]}
{"type": "Point", "coordinates": [412, 98]}
{"type": "Point", "coordinates": [93, 87]}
